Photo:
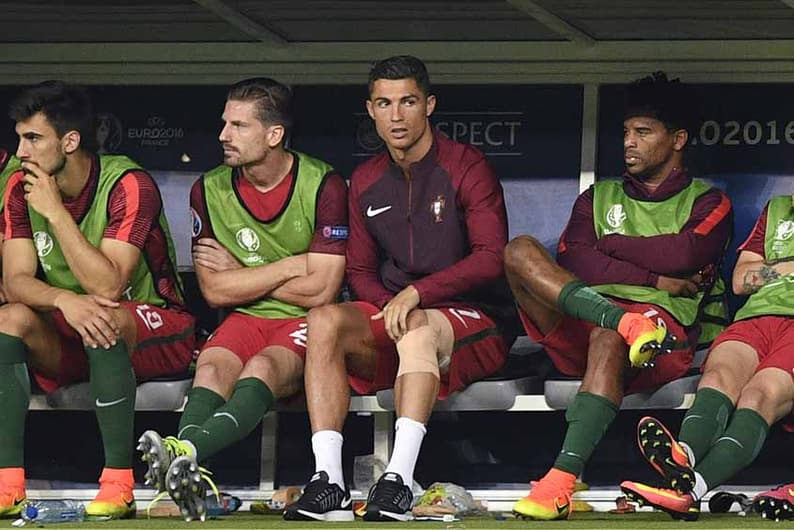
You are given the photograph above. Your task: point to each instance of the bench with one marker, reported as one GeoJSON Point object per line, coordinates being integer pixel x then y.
{"type": "Point", "coordinates": [516, 389]}
{"type": "Point", "coordinates": [165, 394]}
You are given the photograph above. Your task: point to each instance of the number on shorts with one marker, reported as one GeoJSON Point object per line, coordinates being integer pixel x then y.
{"type": "Point", "coordinates": [299, 335]}
{"type": "Point", "coordinates": [460, 313]}
{"type": "Point", "coordinates": [152, 319]}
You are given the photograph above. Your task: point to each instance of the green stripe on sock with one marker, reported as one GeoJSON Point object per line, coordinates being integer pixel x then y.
{"type": "Point", "coordinates": [588, 417]}
{"type": "Point", "coordinates": [201, 403]}
{"type": "Point", "coordinates": [577, 300]}
{"type": "Point", "coordinates": [705, 421]}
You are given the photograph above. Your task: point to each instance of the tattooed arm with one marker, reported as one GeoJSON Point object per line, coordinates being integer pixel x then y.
{"type": "Point", "coordinates": [752, 272]}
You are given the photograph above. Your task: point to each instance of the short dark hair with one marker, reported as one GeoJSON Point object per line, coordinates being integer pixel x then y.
{"type": "Point", "coordinates": [401, 67]}
{"type": "Point", "coordinates": [273, 100]}
{"type": "Point", "coordinates": [67, 107]}
{"type": "Point", "coordinates": [668, 100]}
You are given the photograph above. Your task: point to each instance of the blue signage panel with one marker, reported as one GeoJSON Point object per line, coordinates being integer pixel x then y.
{"type": "Point", "coordinates": [526, 131]}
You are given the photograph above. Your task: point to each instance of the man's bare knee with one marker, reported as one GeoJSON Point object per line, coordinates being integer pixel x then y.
{"type": "Point", "coordinates": [718, 378]}
{"type": "Point", "coordinates": [418, 351]}
{"type": "Point", "coordinates": [281, 371]}
{"type": "Point", "coordinates": [215, 364]}
{"type": "Point", "coordinates": [17, 319]}
{"type": "Point", "coordinates": [325, 322]}
{"type": "Point", "coordinates": [757, 399]}
{"type": "Point", "coordinates": [606, 338]}
{"type": "Point", "coordinates": [606, 362]}
{"type": "Point", "coordinates": [128, 330]}
{"type": "Point", "coordinates": [522, 253]}
{"type": "Point", "coordinates": [416, 318]}
{"type": "Point", "coordinates": [769, 392]}
{"type": "Point", "coordinates": [208, 369]}
{"type": "Point", "coordinates": [274, 364]}
{"type": "Point", "coordinates": [260, 366]}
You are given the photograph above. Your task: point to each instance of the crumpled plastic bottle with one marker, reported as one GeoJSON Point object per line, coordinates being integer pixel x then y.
{"type": "Point", "coordinates": [50, 511]}
{"type": "Point", "coordinates": [223, 506]}
{"type": "Point", "coordinates": [447, 498]}
{"type": "Point", "coordinates": [367, 469]}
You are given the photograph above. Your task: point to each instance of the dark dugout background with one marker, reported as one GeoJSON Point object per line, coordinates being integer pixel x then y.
{"type": "Point", "coordinates": [532, 135]}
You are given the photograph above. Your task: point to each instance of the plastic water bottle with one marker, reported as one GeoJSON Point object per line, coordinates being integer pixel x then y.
{"type": "Point", "coordinates": [46, 512]}
{"type": "Point", "coordinates": [228, 504]}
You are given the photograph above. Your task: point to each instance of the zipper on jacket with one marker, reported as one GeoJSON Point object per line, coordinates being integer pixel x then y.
{"type": "Point", "coordinates": [410, 227]}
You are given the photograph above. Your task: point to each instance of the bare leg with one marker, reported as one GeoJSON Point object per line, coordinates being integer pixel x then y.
{"type": "Point", "coordinates": [340, 342]}
{"type": "Point", "coordinates": [429, 339]}
{"type": "Point", "coordinates": [729, 368]}
{"type": "Point", "coordinates": [38, 333]}
{"type": "Point", "coordinates": [416, 392]}
{"type": "Point", "coordinates": [279, 368]}
{"type": "Point", "coordinates": [536, 281]}
{"type": "Point", "coordinates": [770, 393]}
{"type": "Point", "coordinates": [217, 369]}
{"type": "Point", "coordinates": [606, 362]}
{"type": "Point", "coordinates": [766, 398]}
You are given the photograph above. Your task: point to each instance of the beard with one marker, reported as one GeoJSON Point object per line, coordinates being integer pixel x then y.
{"type": "Point", "coordinates": [236, 159]}
{"type": "Point", "coordinates": [55, 168]}
{"type": "Point", "coordinates": [59, 165]}
{"type": "Point", "coordinates": [642, 175]}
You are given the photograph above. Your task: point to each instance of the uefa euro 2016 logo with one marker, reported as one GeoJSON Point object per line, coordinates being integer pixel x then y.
{"type": "Point", "coordinates": [247, 239]}
{"type": "Point", "coordinates": [43, 243]}
{"type": "Point", "coordinates": [616, 216]}
{"type": "Point", "coordinates": [784, 230]}
{"type": "Point", "coordinates": [109, 133]}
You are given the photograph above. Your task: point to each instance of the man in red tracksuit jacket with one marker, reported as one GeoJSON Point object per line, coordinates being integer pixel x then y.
{"type": "Point", "coordinates": [425, 260]}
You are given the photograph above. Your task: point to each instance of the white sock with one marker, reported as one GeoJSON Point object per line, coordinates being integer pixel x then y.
{"type": "Point", "coordinates": [327, 448]}
{"type": "Point", "coordinates": [407, 443]}
{"type": "Point", "coordinates": [701, 488]}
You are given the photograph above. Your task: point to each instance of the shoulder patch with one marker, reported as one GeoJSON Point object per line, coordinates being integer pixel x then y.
{"type": "Point", "coordinates": [196, 222]}
{"type": "Point", "coordinates": [335, 232]}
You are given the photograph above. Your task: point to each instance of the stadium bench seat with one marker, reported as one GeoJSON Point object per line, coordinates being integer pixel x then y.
{"type": "Point", "coordinates": [166, 394]}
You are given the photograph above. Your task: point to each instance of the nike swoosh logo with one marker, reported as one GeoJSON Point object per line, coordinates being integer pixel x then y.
{"type": "Point", "coordinates": [346, 503]}
{"type": "Point", "coordinates": [560, 509]}
{"type": "Point", "coordinates": [109, 403]}
{"type": "Point", "coordinates": [372, 212]}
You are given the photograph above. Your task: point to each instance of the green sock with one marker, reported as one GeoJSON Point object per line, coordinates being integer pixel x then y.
{"type": "Point", "coordinates": [735, 449]}
{"type": "Point", "coordinates": [577, 300]}
{"type": "Point", "coordinates": [201, 403]}
{"type": "Point", "coordinates": [588, 418]}
{"type": "Point", "coordinates": [113, 389]}
{"type": "Point", "coordinates": [705, 421]}
{"type": "Point", "coordinates": [250, 401]}
{"type": "Point", "coordinates": [14, 400]}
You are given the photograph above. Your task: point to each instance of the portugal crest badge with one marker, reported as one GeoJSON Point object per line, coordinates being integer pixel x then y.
{"type": "Point", "coordinates": [437, 208]}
